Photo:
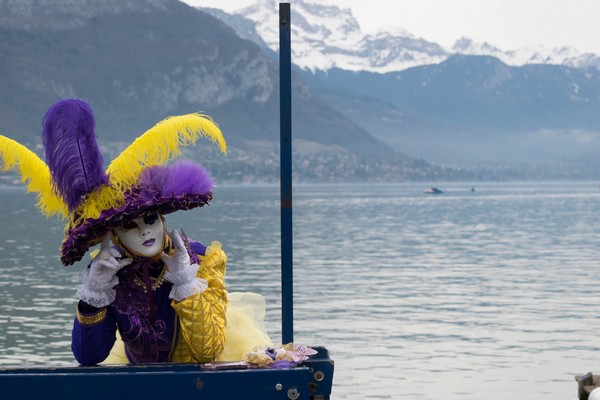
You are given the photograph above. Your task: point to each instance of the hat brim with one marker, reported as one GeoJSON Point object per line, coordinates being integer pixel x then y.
{"type": "Point", "coordinates": [79, 239]}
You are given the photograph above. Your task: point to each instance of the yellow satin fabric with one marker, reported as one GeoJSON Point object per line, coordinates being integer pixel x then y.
{"type": "Point", "coordinates": [202, 317]}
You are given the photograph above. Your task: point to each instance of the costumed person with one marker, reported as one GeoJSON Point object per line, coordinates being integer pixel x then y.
{"type": "Point", "coordinates": [148, 294]}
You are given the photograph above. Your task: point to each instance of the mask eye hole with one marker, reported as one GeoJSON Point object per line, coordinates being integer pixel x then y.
{"type": "Point", "coordinates": [151, 219]}
{"type": "Point", "coordinates": [129, 225]}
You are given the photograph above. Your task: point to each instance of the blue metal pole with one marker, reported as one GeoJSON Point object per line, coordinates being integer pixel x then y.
{"type": "Point", "coordinates": [285, 106]}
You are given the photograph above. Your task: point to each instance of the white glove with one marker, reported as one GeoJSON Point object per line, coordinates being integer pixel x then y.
{"type": "Point", "coordinates": [180, 272]}
{"type": "Point", "coordinates": [99, 280]}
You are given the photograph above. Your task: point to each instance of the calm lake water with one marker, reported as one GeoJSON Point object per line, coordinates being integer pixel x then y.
{"type": "Point", "coordinates": [485, 294]}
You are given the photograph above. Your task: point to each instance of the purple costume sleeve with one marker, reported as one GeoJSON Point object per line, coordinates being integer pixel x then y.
{"type": "Point", "coordinates": [198, 247]}
{"type": "Point", "coordinates": [91, 344]}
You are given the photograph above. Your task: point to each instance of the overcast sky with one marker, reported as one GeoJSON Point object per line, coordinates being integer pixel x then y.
{"type": "Point", "coordinates": [507, 24]}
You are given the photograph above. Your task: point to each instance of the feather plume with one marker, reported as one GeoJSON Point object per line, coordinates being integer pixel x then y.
{"type": "Point", "coordinates": [72, 153]}
{"type": "Point", "coordinates": [182, 177]}
{"type": "Point", "coordinates": [160, 144]}
{"type": "Point", "coordinates": [34, 173]}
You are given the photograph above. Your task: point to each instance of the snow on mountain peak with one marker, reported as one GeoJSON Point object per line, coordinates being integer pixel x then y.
{"type": "Point", "coordinates": [527, 55]}
{"type": "Point", "coordinates": [325, 36]}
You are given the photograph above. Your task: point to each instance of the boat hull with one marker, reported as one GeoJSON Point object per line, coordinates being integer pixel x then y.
{"type": "Point", "coordinates": [310, 380]}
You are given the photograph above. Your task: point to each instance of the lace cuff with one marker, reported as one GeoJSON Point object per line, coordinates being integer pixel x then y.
{"type": "Point", "coordinates": [185, 283]}
{"type": "Point", "coordinates": [195, 286]}
{"type": "Point", "coordinates": [98, 299]}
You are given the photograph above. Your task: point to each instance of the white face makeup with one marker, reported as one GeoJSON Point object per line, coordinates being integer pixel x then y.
{"type": "Point", "coordinates": [143, 236]}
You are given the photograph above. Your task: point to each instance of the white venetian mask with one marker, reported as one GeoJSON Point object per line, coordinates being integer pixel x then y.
{"type": "Point", "coordinates": [143, 236]}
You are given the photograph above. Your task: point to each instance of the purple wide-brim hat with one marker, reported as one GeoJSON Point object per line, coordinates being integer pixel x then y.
{"type": "Point", "coordinates": [160, 190]}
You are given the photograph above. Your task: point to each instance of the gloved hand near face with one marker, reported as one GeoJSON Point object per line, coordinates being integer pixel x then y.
{"type": "Point", "coordinates": [99, 280]}
{"type": "Point", "coordinates": [181, 273]}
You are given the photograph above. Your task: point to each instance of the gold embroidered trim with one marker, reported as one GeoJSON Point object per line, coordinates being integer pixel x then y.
{"type": "Point", "coordinates": [91, 319]}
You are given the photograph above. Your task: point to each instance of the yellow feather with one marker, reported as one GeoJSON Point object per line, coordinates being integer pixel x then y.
{"type": "Point", "coordinates": [34, 173]}
{"type": "Point", "coordinates": [104, 198]}
{"type": "Point", "coordinates": [160, 144]}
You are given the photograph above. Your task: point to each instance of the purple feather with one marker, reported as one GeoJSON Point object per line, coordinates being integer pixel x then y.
{"type": "Point", "coordinates": [182, 177]}
{"type": "Point", "coordinates": [153, 178]}
{"type": "Point", "coordinates": [187, 177]}
{"type": "Point", "coordinates": [72, 153]}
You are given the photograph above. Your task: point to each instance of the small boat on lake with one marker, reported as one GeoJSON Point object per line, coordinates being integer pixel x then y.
{"type": "Point", "coordinates": [433, 190]}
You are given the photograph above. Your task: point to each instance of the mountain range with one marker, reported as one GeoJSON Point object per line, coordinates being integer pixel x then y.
{"type": "Point", "coordinates": [469, 105]}
{"type": "Point", "coordinates": [329, 37]}
{"type": "Point", "coordinates": [139, 61]}
{"type": "Point", "coordinates": [426, 113]}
